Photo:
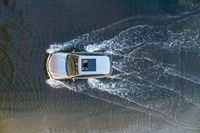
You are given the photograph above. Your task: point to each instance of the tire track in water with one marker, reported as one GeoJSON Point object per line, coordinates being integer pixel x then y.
{"type": "Point", "coordinates": [165, 70]}
{"type": "Point", "coordinates": [138, 107]}
{"type": "Point", "coordinates": [185, 76]}
{"type": "Point", "coordinates": [144, 108]}
{"type": "Point", "coordinates": [137, 75]}
{"type": "Point", "coordinates": [149, 69]}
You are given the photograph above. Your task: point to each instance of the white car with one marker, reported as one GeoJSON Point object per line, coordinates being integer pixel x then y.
{"type": "Point", "coordinates": [78, 65]}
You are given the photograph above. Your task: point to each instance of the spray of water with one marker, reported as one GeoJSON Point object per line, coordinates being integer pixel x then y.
{"type": "Point", "coordinates": [152, 66]}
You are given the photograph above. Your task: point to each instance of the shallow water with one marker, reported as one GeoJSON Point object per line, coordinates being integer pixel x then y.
{"type": "Point", "coordinates": [155, 85]}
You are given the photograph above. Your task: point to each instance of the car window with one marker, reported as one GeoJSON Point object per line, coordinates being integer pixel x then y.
{"type": "Point", "coordinates": [88, 64]}
{"type": "Point", "coordinates": [72, 63]}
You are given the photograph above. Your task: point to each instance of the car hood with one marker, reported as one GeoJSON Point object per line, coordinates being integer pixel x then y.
{"type": "Point", "coordinates": [57, 65]}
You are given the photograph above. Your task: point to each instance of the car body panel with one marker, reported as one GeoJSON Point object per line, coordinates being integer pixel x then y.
{"type": "Point", "coordinates": [102, 65]}
{"type": "Point", "coordinates": [56, 66]}
{"type": "Point", "coordinates": [99, 65]}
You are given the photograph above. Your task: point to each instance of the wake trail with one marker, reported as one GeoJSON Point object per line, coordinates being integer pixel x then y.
{"type": "Point", "coordinates": [147, 61]}
{"type": "Point", "coordinates": [142, 108]}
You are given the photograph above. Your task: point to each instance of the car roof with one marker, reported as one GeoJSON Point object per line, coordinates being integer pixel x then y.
{"type": "Point", "coordinates": [97, 64]}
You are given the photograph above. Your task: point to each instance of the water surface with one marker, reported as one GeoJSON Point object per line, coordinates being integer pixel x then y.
{"type": "Point", "coordinates": [156, 79]}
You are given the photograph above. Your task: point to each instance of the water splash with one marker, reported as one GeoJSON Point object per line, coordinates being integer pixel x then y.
{"type": "Point", "coordinates": [152, 67]}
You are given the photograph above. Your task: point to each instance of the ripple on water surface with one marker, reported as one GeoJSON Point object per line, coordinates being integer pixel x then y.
{"type": "Point", "coordinates": [152, 67]}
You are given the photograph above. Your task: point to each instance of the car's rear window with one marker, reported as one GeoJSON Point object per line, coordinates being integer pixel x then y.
{"type": "Point", "coordinates": [88, 64]}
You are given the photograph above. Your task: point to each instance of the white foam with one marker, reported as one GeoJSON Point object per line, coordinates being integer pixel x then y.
{"type": "Point", "coordinates": [59, 84]}
{"type": "Point", "coordinates": [54, 48]}
{"type": "Point", "coordinates": [129, 46]}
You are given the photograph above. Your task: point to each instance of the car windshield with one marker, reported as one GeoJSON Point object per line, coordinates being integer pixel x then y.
{"type": "Point", "coordinates": [72, 65]}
